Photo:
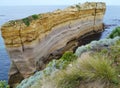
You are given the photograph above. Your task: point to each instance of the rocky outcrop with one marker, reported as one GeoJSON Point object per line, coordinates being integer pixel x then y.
{"type": "Point", "coordinates": [41, 78]}
{"type": "Point", "coordinates": [33, 41]}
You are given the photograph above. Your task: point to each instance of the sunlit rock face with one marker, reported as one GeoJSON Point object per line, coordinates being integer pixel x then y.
{"type": "Point", "coordinates": [33, 41]}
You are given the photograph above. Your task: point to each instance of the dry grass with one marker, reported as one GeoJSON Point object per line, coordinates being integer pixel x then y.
{"type": "Point", "coordinates": [92, 70]}
{"type": "Point", "coordinates": [86, 72]}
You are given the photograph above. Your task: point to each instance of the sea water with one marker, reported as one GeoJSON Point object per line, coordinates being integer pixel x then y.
{"type": "Point", "coordinates": [111, 18]}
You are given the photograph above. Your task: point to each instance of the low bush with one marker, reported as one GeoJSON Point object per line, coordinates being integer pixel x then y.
{"type": "Point", "coordinates": [102, 65]}
{"type": "Point", "coordinates": [65, 60]}
{"type": "Point", "coordinates": [26, 21]}
{"type": "Point", "coordinates": [35, 16]}
{"type": "Point", "coordinates": [3, 84]}
{"type": "Point", "coordinates": [52, 67]}
{"type": "Point", "coordinates": [69, 72]}
{"type": "Point", "coordinates": [96, 45]}
{"type": "Point", "coordinates": [115, 32]}
{"type": "Point", "coordinates": [85, 69]}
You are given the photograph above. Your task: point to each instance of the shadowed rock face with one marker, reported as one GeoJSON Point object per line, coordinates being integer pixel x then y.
{"type": "Point", "coordinates": [48, 36]}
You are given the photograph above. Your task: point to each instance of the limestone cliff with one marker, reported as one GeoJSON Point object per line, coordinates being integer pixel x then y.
{"type": "Point", "coordinates": [33, 41]}
{"type": "Point", "coordinates": [50, 77]}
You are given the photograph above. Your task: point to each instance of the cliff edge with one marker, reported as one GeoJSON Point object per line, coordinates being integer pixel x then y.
{"type": "Point", "coordinates": [33, 41]}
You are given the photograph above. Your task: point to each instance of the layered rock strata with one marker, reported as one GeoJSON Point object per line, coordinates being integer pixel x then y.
{"type": "Point", "coordinates": [53, 67]}
{"type": "Point", "coordinates": [32, 42]}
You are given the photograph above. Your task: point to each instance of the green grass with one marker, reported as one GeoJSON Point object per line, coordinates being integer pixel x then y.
{"type": "Point", "coordinates": [101, 68]}
{"type": "Point", "coordinates": [3, 84]}
{"type": "Point", "coordinates": [26, 21]}
{"type": "Point", "coordinates": [98, 67]}
{"type": "Point", "coordinates": [35, 16]}
{"type": "Point", "coordinates": [115, 32]}
{"type": "Point", "coordinates": [87, 69]}
{"type": "Point", "coordinates": [101, 65]}
{"type": "Point", "coordinates": [64, 60]}
{"type": "Point", "coordinates": [51, 68]}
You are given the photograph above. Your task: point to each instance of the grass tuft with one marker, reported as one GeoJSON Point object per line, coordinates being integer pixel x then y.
{"type": "Point", "coordinates": [85, 69]}
{"type": "Point", "coordinates": [99, 69]}
{"type": "Point", "coordinates": [35, 16]}
{"type": "Point", "coordinates": [29, 19]}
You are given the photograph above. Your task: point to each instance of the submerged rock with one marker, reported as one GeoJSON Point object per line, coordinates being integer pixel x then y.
{"type": "Point", "coordinates": [33, 41]}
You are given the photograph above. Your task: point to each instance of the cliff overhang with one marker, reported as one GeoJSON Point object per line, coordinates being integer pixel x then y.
{"type": "Point", "coordinates": [31, 42]}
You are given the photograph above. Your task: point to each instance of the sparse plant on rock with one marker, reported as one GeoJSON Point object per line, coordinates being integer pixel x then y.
{"type": "Point", "coordinates": [35, 16]}
{"type": "Point", "coordinates": [26, 21]}
{"type": "Point", "coordinates": [29, 19]}
{"type": "Point", "coordinates": [78, 7]}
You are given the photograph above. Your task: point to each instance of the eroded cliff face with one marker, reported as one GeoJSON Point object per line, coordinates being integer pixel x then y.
{"type": "Point", "coordinates": [33, 41]}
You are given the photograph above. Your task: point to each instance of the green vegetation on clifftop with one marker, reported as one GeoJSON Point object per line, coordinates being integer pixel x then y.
{"type": "Point", "coordinates": [35, 16]}
{"type": "Point", "coordinates": [27, 20]}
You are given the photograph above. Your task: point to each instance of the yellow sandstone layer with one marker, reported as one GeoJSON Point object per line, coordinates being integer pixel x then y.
{"type": "Point", "coordinates": [34, 40]}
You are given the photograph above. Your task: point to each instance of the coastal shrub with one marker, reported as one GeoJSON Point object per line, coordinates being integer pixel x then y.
{"type": "Point", "coordinates": [115, 51]}
{"type": "Point", "coordinates": [115, 32]}
{"type": "Point", "coordinates": [96, 45]}
{"type": "Point", "coordinates": [113, 54]}
{"type": "Point", "coordinates": [65, 60]}
{"type": "Point", "coordinates": [85, 69]}
{"type": "Point", "coordinates": [98, 67]}
{"type": "Point", "coordinates": [66, 64]}
{"type": "Point", "coordinates": [3, 84]}
{"type": "Point", "coordinates": [101, 65]}
{"type": "Point", "coordinates": [51, 68]}
{"type": "Point", "coordinates": [29, 19]}
{"type": "Point", "coordinates": [35, 16]}
{"type": "Point", "coordinates": [26, 21]}
{"type": "Point", "coordinates": [62, 63]}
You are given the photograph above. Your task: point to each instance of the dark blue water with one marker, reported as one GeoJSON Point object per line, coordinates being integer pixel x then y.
{"type": "Point", "coordinates": [111, 19]}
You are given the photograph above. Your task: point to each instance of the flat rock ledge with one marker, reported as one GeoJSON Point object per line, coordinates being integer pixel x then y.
{"type": "Point", "coordinates": [31, 42]}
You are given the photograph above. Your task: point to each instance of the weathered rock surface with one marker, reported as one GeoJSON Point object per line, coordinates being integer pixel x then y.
{"type": "Point", "coordinates": [55, 66]}
{"type": "Point", "coordinates": [30, 46]}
